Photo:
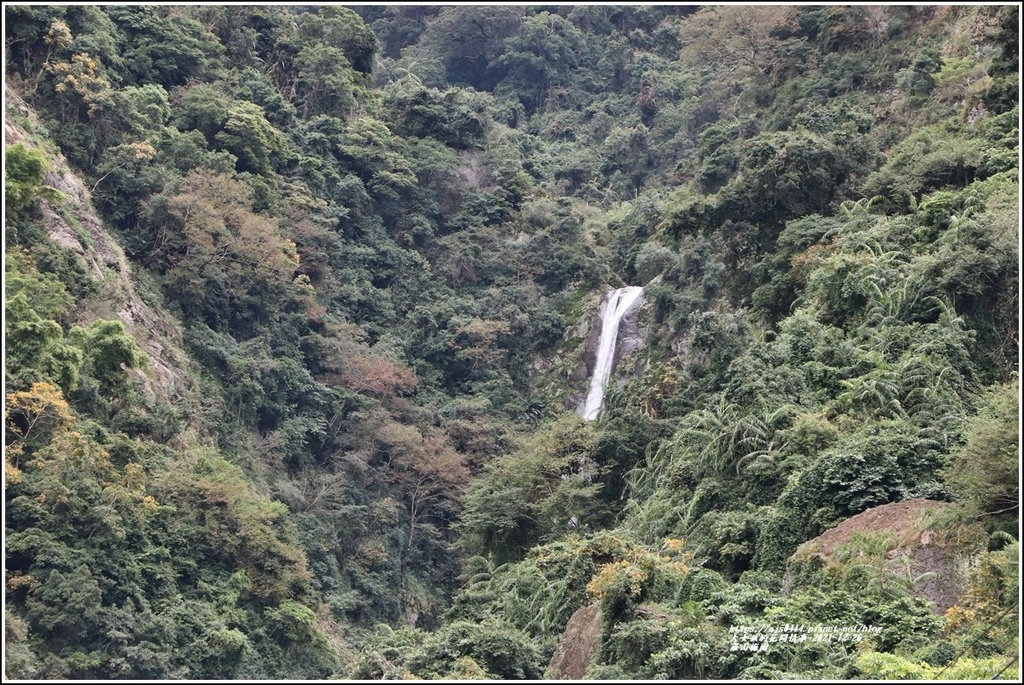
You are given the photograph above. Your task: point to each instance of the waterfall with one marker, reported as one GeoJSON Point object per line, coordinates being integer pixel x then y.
{"type": "Point", "coordinates": [615, 307]}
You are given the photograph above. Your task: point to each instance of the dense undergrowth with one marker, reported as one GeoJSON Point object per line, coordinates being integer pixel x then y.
{"type": "Point", "coordinates": [295, 405]}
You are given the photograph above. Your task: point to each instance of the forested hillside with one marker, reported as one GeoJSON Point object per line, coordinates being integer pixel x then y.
{"type": "Point", "coordinates": [297, 302]}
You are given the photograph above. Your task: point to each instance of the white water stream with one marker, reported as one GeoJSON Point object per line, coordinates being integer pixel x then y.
{"type": "Point", "coordinates": [616, 305]}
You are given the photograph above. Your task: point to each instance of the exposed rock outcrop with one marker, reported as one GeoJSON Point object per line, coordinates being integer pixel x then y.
{"type": "Point", "coordinates": [73, 225]}
{"type": "Point", "coordinates": [939, 554]}
{"type": "Point", "coordinates": [632, 336]}
{"type": "Point", "coordinates": [578, 645]}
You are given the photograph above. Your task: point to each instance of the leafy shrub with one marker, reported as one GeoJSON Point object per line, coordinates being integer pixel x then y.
{"type": "Point", "coordinates": [498, 648]}
{"type": "Point", "coordinates": [24, 168]}
{"type": "Point", "coordinates": [984, 471]}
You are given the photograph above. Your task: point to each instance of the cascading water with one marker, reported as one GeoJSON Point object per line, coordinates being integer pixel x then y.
{"type": "Point", "coordinates": [615, 307]}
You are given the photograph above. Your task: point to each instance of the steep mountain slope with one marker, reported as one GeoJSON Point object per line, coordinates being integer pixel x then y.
{"type": "Point", "coordinates": [73, 226]}
{"type": "Point", "coordinates": [297, 301]}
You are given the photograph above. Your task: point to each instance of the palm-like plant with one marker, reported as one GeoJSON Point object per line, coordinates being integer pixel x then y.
{"type": "Point", "coordinates": [761, 442]}
{"type": "Point", "coordinates": [888, 579]}
{"type": "Point", "coordinates": [875, 394]}
{"type": "Point", "coordinates": [645, 478]}
{"type": "Point", "coordinates": [710, 432]}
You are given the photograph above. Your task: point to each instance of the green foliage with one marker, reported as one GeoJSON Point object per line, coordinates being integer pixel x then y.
{"type": "Point", "coordinates": [47, 294]}
{"type": "Point", "coordinates": [879, 666]}
{"type": "Point", "coordinates": [252, 139]}
{"type": "Point", "coordinates": [333, 52]}
{"type": "Point", "coordinates": [541, 54]}
{"type": "Point", "coordinates": [491, 649]}
{"type": "Point", "coordinates": [728, 540]}
{"type": "Point", "coordinates": [293, 626]}
{"type": "Point", "coordinates": [799, 243]}
{"type": "Point", "coordinates": [918, 79]}
{"type": "Point", "coordinates": [39, 350]}
{"type": "Point", "coordinates": [984, 471]}
{"type": "Point", "coordinates": [202, 107]}
{"type": "Point", "coordinates": [24, 169]}
{"type": "Point", "coordinates": [933, 158]}
{"type": "Point", "coordinates": [539, 594]}
{"type": "Point", "coordinates": [342, 28]}
{"type": "Point", "coordinates": [457, 117]}
{"type": "Point", "coordinates": [498, 649]}
{"type": "Point", "coordinates": [145, 109]}
{"type": "Point", "coordinates": [166, 48]}
{"type": "Point", "coordinates": [123, 614]}
{"type": "Point", "coordinates": [983, 622]}
{"type": "Point", "coordinates": [89, 555]}
{"type": "Point", "coordinates": [20, 661]}
{"type": "Point", "coordinates": [465, 41]}
{"type": "Point", "coordinates": [622, 586]}
{"type": "Point", "coordinates": [1004, 93]}
{"type": "Point", "coordinates": [787, 175]}
{"type": "Point", "coordinates": [326, 79]}
{"type": "Point", "coordinates": [871, 467]}
{"type": "Point", "coordinates": [229, 265]}
{"type": "Point", "coordinates": [541, 492]}
{"type": "Point", "coordinates": [108, 351]}
{"type": "Point", "coordinates": [666, 644]}
{"type": "Point", "coordinates": [236, 526]}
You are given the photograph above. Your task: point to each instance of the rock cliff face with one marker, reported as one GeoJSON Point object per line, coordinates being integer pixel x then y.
{"type": "Point", "coordinates": [631, 337]}
{"type": "Point", "coordinates": [73, 225]}
{"type": "Point", "coordinates": [590, 331]}
{"type": "Point", "coordinates": [578, 645]}
{"type": "Point", "coordinates": [935, 556]}
{"type": "Point", "coordinates": [574, 366]}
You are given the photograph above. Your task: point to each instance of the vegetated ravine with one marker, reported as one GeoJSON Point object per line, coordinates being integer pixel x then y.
{"type": "Point", "coordinates": [303, 309]}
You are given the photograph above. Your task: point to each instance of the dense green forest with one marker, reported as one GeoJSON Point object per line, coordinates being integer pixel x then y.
{"type": "Point", "coordinates": [297, 301]}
